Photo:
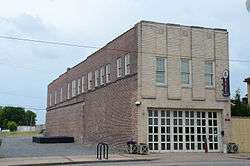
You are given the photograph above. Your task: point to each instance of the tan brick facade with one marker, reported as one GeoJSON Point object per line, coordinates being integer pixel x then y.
{"type": "Point", "coordinates": [108, 113]}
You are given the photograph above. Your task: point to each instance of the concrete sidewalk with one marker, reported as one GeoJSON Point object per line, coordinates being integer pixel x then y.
{"type": "Point", "coordinates": [25, 161]}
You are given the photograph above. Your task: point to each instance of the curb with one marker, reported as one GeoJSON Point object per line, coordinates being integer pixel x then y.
{"type": "Point", "coordinates": [240, 158]}
{"type": "Point", "coordinates": [84, 162]}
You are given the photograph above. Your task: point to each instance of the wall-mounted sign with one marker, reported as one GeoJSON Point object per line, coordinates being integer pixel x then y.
{"type": "Point", "coordinates": [226, 84]}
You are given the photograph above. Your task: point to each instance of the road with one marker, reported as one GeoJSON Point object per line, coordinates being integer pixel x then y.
{"type": "Point", "coordinates": [230, 162]}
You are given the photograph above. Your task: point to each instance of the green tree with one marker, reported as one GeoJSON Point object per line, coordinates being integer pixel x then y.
{"type": "Point", "coordinates": [30, 118]}
{"type": "Point", "coordinates": [12, 126]}
{"type": "Point", "coordinates": [238, 108]}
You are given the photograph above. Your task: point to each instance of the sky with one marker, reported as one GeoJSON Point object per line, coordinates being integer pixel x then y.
{"type": "Point", "coordinates": [26, 68]}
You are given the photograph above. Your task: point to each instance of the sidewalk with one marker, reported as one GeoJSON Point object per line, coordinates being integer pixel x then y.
{"type": "Point", "coordinates": [25, 161]}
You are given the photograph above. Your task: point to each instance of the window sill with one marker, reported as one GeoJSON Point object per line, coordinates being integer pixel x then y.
{"type": "Point", "coordinates": [210, 87]}
{"type": "Point", "coordinates": [161, 85]}
{"type": "Point", "coordinates": [187, 86]}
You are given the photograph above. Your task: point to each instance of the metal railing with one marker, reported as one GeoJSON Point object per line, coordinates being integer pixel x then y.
{"type": "Point", "coordinates": [102, 151]}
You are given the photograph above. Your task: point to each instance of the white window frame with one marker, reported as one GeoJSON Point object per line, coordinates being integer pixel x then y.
{"type": "Point", "coordinates": [108, 73]}
{"type": "Point", "coordinates": [213, 74]}
{"type": "Point", "coordinates": [190, 72]}
{"type": "Point", "coordinates": [102, 75]}
{"type": "Point", "coordinates": [127, 64]}
{"type": "Point", "coordinates": [73, 88]}
{"type": "Point", "coordinates": [55, 97]}
{"type": "Point", "coordinates": [119, 67]}
{"type": "Point", "coordinates": [97, 78]}
{"type": "Point", "coordinates": [83, 84]}
{"type": "Point", "coordinates": [50, 99]}
{"type": "Point", "coordinates": [61, 93]}
{"type": "Point", "coordinates": [165, 71]}
{"type": "Point", "coordinates": [68, 91]}
{"type": "Point", "coordinates": [89, 80]}
{"type": "Point", "coordinates": [78, 86]}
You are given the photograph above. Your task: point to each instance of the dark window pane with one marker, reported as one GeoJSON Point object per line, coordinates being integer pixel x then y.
{"type": "Point", "coordinates": [150, 145]}
{"type": "Point", "coordinates": [162, 129]}
{"type": "Point", "coordinates": [175, 146]}
{"type": "Point", "coordinates": [180, 146]}
{"type": "Point", "coordinates": [180, 121]}
{"type": "Point", "coordinates": [216, 146]}
{"type": "Point", "coordinates": [192, 122]}
{"type": "Point", "coordinates": [175, 129]}
{"type": "Point", "coordinates": [210, 123]}
{"type": "Point", "coordinates": [211, 146]}
{"type": "Point", "coordinates": [163, 121]}
{"type": "Point", "coordinates": [162, 113]}
{"type": "Point", "coordinates": [155, 113]}
{"type": "Point", "coordinates": [209, 114]}
{"type": "Point", "coordinates": [150, 121]}
{"type": "Point", "coordinates": [192, 129]}
{"type": "Point", "coordinates": [215, 138]}
{"type": "Point", "coordinates": [210, 130]}
{"type": "Point", "coordinates": [168, 146]}
{"type": "Point", "coordinates": [198, 122]}
{"type": "Point", "coordinates": [192, 146]}
{"type": "Point", "coordinates": [180, 113]}
{"type": "Point", "coordinates": [163, 138]}
{"type": "Point", "coordinates": [180, 138]}
{"type": "Point", "coordinates": [199, 146]}
{"type": "Point", "coordinates": [155, 129]}
{"type": "Point", "coordinates": [150, 113]}
{"type": "Point", "coordinates": [150, 129]}
{"type": "Point", "coordinates": [175, 138]}
{"type": "Point", "coordinates": [187, 138]}
{"type": "Point", "coordinates": [203, 122]}
{"type": "Point", "coordinates": [167, 114]}
{"type": "Point", "coordinates": [203, 115]}
{"type": "Point", "coordinates": [192, 138]}
{"type": "Point", "coordinates": [163, 146]}
{"type": "Point", "coordinates": [215, 130]}
{"type": "Point", "coordinates": [215, 122]}
{"type": "Point", "coordinates": [199, 138]}
{"type": "Point", "coordinates": [210, 138]}
{"type": "Point", "coordinates": [203, 130]}
{"type": "Point", "coordinates": [168, 129]}
{"type": "Point", "coordinates": [187, 114]}
{"type": "Point", "coordinates": [187, 121]}
{"type": "Point", "coordinates": [155, 121]}
{"type": "Point", "coordinates": [198, 130]}
{"type": "Point", "coordinates": [155, 146]}
{"type": "Point", "coordinates": [187, 129]}
{"type": "Point", "coordinates": [150, 138]}
{"type": "Point", "coordinates": [187, 146]}
{"type": "Point", "coordinates": [198, 114]}
{"type": "Point", "coordinates": [175, 113]}
{"type": "Point", "coordinates": [191, 114]}
{"type": "Point", "coordinates": [168, 121]}
{"type": "Point", "coordinates": [168, 138]}
{"type": "Point", "coordinates": [175, 121]}
{"type": "Point", "coordinates": [180, 129]}
{"type": "Point", "coordinates": [214, 114]}
{"type": "Point", "coordinates": [155, 138]}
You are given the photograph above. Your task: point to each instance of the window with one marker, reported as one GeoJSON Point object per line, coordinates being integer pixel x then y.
{"type": "Point", "coordinates": [55, 97]}
{"type": "Point", "coordinates": [97, 78]}
{"type": "Point", "coordinates": [68, 95]}
{"type": "Point", "coordinates": [61, 93]}
{"type": "Point", "coordinates": [119, 67]}
{"type": "Point", "coordinates": [89, 80]}
{"type": "Point", "coordinates": [127, 64]}
{"type": "Point", "coordinates": [108, 69]}
{"type": "Point", "coordinates": [185, 72]}
{"type": "Point", "coordinates": [73, 88]}
{"type": "Point", "coordinates": [78, 86]}
{"type": "Point", "coordinates": [83, 84]}
{"type": "Point", "coordinates": [50, 99]}
{"type": "Point", "coordinates": [209, 74]}
{"type": "Point", "coordinates": [102, 75]}
{"type": "Point", "coordinates": [160, 70]}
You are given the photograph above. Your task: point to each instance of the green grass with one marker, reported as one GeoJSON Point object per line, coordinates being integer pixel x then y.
{"type": "Point", "coordinates": [19, 134]}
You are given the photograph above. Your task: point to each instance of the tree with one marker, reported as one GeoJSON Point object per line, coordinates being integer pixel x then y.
{"type": "Point", "coordinates": [17, 115]}
{"type": "Point", "coordinates": [12, 126]}
{"type": "Point", "coordinates": [239, 108]}
{"type": "Point", "coordinates": [30, 118]}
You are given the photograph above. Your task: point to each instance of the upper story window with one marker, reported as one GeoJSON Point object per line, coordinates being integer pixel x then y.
{"type": "Point", "coordinates": [119, 67]}
{"type": "Point", "coordinates": [186, 72]}
{"type": "Point", "coordinates": [97, 78]}
{"type": "Point", "coordinates": [160, 70]}
{"type": "Point", "coordinates": [209, 74]}
{"type": "Point", "coordinates": [108, 70]}
{"type": "Point", "coordinates": [127, 64]}
{"type": "Point", "coordinates": [50, 99]}
{"type": "Point", "coordinates": [78, 86]}
{"type": "Point", "coordinates": [83, 84]}
{"type": "Point", "coordinates": [73, 88]}
{"type": "Point", "coordinates": [55, 97]}
{"type": "Point", "coordinates": [61, 94]}
{"type": "Point", "coordinates": [68, 91]}
{"type": "Point", "coordinates": [102, 77]}
{"type": "Point", "coordinates": [89, 80]}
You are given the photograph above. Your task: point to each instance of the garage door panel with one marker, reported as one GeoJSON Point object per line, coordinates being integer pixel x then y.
{"type": "Point", "coordinates": [180, 130]}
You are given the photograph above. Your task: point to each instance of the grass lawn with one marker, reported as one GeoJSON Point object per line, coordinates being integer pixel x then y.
{"type": "Point", "coordinates": [19, 134]}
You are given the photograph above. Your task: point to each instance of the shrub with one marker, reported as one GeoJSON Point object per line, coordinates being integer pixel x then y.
{"type": "Point", "coordinates": [12, 126]}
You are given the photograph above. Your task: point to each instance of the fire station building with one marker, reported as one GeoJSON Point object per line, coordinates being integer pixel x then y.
{"type": "Point", "coordinates": [157, 83]}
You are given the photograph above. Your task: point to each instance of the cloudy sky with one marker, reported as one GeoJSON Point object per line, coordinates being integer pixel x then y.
{"type": "Point", "coordinates": [26, 68]}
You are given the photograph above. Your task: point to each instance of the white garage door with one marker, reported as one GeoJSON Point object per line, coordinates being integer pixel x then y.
{"type": "Point", "coordinates": [183, 131]}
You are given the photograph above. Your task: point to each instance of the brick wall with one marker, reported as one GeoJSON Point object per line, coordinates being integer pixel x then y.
{"type": "Point", "coordinates": [105, 113]}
